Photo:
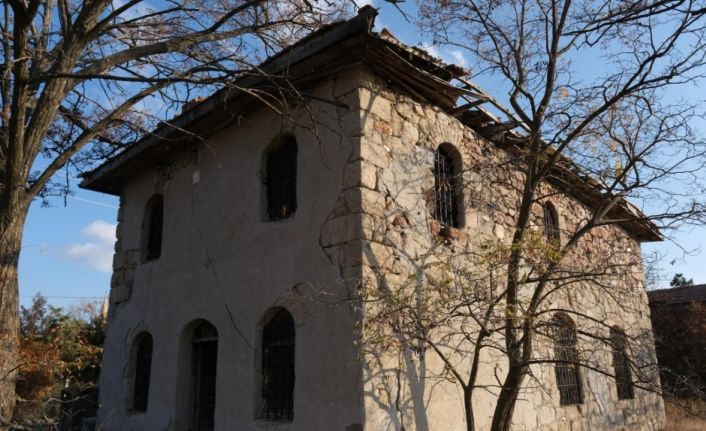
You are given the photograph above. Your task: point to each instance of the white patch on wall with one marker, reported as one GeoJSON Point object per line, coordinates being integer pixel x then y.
{"type": "Point", "coordinates": [97, 252]}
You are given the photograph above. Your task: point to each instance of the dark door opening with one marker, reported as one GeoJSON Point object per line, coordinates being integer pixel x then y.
{"type": "Point", "coordinates": [204, 382]}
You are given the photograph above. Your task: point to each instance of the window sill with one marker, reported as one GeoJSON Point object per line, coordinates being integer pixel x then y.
{"type": "Point", "coordinates": [279, 220]}
{"type": "Point", "coordinates": [271, 424]}
{"type": "Point", "coordinates": [447, 233]}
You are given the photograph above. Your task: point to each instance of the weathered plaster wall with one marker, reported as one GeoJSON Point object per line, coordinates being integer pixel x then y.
{"type": "Point", "coordinates": [221, 262]}
{"type": "Point", "coordinates": [399, 137]}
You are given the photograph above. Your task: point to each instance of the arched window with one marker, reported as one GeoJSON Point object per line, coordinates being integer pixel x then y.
{"type": "Point", "coordinates": [278, 338]}
{"type": "Point", "coordinates": [447, 208]}
{"type": "Point", "coordinates": [551, 223]}
{"type": "Point", "coordinates": [621, 364]}
{"type": "Point", "coordinates": [143, 369]}
{"type": "Point", "coordinates": [203, 376]}
{"type": "Point", "coordinates": [152, 228]}
{"type": "Point", "coordinates": [566, 367]}
{"type": "Point", "coordinates": [281, 178]}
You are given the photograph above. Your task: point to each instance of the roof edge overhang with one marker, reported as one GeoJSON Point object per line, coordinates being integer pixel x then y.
{"type": "Point", "coordinates": [104, 177]}
{"type": "Point", "coordinates": [411, 69]}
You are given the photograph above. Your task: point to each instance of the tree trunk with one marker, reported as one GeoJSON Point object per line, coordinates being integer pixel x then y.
{"type": "Point", "coordinates": [504, 409]}
{"type": "Point", "coordinates": [468, 405]}
{"type": "Point", "coordinates": [12, 219]}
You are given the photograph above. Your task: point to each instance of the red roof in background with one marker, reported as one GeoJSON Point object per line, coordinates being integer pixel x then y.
{"type": "Point", "coordinates": [678, 295]}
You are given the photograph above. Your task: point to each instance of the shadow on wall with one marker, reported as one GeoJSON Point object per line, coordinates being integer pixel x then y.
{"type": "Point", "coordinates": [397, 383]}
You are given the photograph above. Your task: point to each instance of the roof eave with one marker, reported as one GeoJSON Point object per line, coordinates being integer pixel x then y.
{"type": "Point", "coordinates": [100, 178]}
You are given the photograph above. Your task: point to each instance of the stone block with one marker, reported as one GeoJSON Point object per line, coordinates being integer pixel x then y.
{"type": "Point", "coordinates": [360, 173]}
{"type": "Point", "coordinates": [374, 153]}
{"type": "Point", "coordinates": [342, 229]}
{"type": "Point", "coordinates": [129, 276]}
{"type": "Point", "coordinates": [350, 228]}
{"type": "Point", "coordinates": [118, 260]}
{"type": "Point", "coordinates": [350, 124]}
{"type": "Point", "coordinates": [119, 294]}
{"type": "Point", "coordinates": [366, 201]}
{"type": "Point", "coordinates": [132, 257]}
{"type": "Point", "coordinates": [409, 133]}
{"type": "Point", "coordinates": [404, 109]}
{"type": "Point", "coordinates": [116, 279]}
{"type": "Point", "coordinates": [380, 107]}
{"type": "Point", "coordinates": [383, 127]}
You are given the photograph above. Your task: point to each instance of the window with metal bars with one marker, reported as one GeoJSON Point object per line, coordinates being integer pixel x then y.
{"type": "Point", "coordinates": [446, 187]}
{"type": "Point", "coordinates": [143, 369]}
{"type": "Point", "coordinates": [278, 338]}
{"type": "Point", "coordinates": [154, 220]}
{"type": "Point", "coordinates": [203, 377]}
{"type": "Point", "coordinates": [551, 223]}
{"type": "Point", "coordinates": [621, 364]}
{"type": "Point", "coordinates": [566, 367]}
{"type": "Point", "coordinates": [281, 179]}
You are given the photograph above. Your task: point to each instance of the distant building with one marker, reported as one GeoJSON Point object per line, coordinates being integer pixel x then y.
{"type": "Point", "coordinates": [677, 296]}
{"type": "Point", "coordinates": [218, 239]}
{"type": "Point", "coordinates": [679, 322]}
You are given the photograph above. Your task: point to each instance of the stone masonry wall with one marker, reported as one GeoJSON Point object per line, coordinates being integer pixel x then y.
{"type": "Point", "coordinates": [394, 174]}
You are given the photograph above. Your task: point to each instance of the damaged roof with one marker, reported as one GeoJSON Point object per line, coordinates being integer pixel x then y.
{"type": "Point", "coordinates": [678, 295]}
{"type": "Point", "coordinates": [328, 50]}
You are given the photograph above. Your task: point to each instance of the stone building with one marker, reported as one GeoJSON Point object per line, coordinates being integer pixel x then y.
{"type": "Point", "coordinates": [679, 322]}
{"type": "Point", "coordinates": [237, 253]}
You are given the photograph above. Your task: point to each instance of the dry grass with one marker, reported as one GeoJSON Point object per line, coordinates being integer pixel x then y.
{"type": "Point", "coordinates": [685, 417]}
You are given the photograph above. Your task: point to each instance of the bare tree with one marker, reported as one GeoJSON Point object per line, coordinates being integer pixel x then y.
{"type": "Point", "coordinates": [610, 134]}
{"type": "Point", "coordinates": [81, 80]}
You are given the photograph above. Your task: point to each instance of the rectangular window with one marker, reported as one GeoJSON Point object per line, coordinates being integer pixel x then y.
{"type": "Point", "coordinates": [281, 179]}
{"type": "Point", "coordinates": [278, 367]}
{"type": "Point", "coordinates": [621, 365]}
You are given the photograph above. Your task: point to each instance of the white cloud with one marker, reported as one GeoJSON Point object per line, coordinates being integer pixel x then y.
{"type": "Point", "coordinates": [97, 253]}
{"type": "Point", "coordinates": [432, 50]}
{"type": "Point", "coordinates": [141, 9]}
{"type": "Point", "coordinates": [362, 3]}
{"type": "Point", "coordinates": [458, 57]}
{"type": "Point", "coordinates": [447, 55]}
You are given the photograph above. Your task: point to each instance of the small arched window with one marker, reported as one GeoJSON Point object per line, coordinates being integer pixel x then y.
{"type": "Point", "coordinates": [278, 341]}
{"type": "Point", "coordinates": [566, 367]}
{"type": "Point", "coordinates": [152, 230]}
{"type": "Point", "coordinates": [143, 369]}
{"type": "Point", "coordinates": [621, 364]}
{"type": "Point", "coordinates": [281, 178]}
{"type": "Point", "coordinates": [551, 223]}
{"type": "Point", "coordinates": [447, 190]}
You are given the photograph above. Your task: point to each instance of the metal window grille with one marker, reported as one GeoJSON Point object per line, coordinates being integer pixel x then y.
{"type": "Point", "coordinates": [621, 365]}
{"type": "Point", "coordinates": [143, 369]}
{"type": "Point", "coordinates": [551, 223]}
{"type": "Point", "coordinates": [205, 358]}
{"type": "Point", "coordinates": [281, 180]}
{"type": "Point", "coordinates": [446, 209]}
{"type": "Point", "coordinates": [278, 367]}
{"type": "Point", "coordinates": [566, 368]}
{"type": "Point", "coordinates": [154, 234]}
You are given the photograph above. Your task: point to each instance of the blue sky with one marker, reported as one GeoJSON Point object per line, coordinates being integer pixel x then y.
{"type": "Point", "coordinates": [67, 249]}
